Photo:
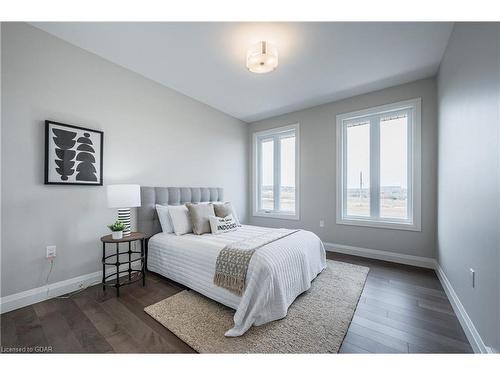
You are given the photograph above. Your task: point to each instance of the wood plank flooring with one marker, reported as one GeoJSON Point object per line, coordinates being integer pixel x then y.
{"type": "Point", "coordinates": [403, 309]}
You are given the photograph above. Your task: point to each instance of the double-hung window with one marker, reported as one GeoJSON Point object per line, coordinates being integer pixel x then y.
{"type": "Point", "coordinates": [378, 166]}
{"type": "Point", "coordinates": [276, 172]}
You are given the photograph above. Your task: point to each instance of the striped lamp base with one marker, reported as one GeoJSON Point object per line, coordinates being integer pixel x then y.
{"type": "Point", "coordinates": [124, 217]}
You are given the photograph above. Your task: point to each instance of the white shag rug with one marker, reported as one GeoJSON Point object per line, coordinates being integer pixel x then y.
{"type": "Point", "coordinates": [316, 322]}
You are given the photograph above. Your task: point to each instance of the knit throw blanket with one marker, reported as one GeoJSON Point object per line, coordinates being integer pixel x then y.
{"type": "Point", "coordinates": [233, 260]}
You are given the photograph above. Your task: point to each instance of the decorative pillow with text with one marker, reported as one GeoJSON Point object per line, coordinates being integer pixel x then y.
{"type": "Point", "coordinates": [225, 209]}
{"type": "Point", "coordinates": [222, 224]}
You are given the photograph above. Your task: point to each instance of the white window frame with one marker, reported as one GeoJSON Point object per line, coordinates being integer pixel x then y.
{"type": "Point", "coordinates": [414, 168]}
{"type": "Point", "coordinates": [256, 175]}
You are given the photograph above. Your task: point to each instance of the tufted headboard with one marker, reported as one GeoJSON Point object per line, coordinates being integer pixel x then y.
{"type": "Point", "coordinates": [147, 219]}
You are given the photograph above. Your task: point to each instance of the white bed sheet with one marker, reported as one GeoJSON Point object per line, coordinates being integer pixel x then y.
{"type": "Point", "coordinates": [278, 272]}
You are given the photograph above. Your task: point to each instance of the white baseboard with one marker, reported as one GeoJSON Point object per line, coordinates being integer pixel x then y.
{"type": "Point", "coordinates": [389, 256]}
{"type": "Point", "coordinates": [29, 297]}
{"type": "Point", "coordinates": [470, 330]}
{"type": "Point", "coordinates": [32, 296]}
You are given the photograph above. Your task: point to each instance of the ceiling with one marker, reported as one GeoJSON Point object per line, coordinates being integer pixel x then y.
{"type": "Point", "coordinates": [318, 62]}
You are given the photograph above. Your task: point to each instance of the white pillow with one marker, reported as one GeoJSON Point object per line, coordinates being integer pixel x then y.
{"type": "Point", "coordinates": [222, 224]}
{"type": "Point", "coordinates": [165, 220]}
{"type": "Point", "coordinates": [235, 216]}
{"type": "Point", "coordinates": [181, 221]}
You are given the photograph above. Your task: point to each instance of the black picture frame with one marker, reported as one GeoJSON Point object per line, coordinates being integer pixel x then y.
{"type": "Point", "coordinates": [67, 178]}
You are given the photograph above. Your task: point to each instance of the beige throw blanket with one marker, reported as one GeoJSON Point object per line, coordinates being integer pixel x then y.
{"type": "Point", "coordinates": [233, 260]}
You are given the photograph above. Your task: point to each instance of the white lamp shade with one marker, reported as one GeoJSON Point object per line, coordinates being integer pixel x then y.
{"type": "Point", "coordinates": [124, 196]}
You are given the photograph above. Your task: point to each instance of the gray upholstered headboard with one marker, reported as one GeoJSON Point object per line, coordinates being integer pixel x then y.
{"type": "Point", "coordinates": [147, 219]}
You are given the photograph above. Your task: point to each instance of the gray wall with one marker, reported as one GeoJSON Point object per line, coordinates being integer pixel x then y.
{"type": "Point", "coordinates": [152, 136]}
{"type": "Point", "coordinates": [317, 172]}
{"type": "Point", "coordinates": [469, 172]}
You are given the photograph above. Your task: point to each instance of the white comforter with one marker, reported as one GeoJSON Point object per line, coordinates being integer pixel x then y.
{"type": "Point", "coordinates": [278, 272]}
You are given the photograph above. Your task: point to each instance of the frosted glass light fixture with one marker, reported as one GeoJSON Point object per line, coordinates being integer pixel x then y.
{"type": "Point", "coordinates": [262, 58]}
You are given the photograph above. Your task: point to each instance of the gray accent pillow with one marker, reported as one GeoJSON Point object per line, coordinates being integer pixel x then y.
{"type": "Point", "coordinates": [226, 209]}
{"type": "Point", "coordinates": [200, 213]}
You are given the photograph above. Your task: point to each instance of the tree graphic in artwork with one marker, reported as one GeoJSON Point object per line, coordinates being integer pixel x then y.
{"type": "Point", "coordinates": [64, 141]}
{"type": "Point", "coordinates": [86, 170]}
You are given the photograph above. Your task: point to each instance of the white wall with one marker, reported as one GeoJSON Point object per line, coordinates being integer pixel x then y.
{"type": "Point", "coordinates": [152, 136]}
{"type": "Point", "coordinates": [469, 172]}
{"type": "Point", "coordinates": [0, 152]}
{"type": "Point", "coordinates": [317, 172]}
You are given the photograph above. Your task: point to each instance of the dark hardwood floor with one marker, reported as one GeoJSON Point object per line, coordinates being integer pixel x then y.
{"type": "Point", "coordinates": [403, 309]}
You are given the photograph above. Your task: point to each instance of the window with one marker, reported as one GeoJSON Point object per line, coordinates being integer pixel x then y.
{"type": "Point", "coordinates": [378, 166]}
{"type": "Point", "coordinates": [276, 154]}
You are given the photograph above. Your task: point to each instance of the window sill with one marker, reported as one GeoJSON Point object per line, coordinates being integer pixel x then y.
{"type": "Point", "coordinates": [380, 224]}
{"type": "Point", "coordinates": [276, 215]}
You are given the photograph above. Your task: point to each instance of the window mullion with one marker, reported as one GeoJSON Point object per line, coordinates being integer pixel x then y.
{"type": "Point", "coordinates": [277, 172]}
{"type": "Point", "coordinates": [259, 174]}
{"type": "Point", "coordinates": [375, 167]}
{"type": "Point", "coordinates": [410, 155]}
{"type": "Point", "coordinates": [344, 169]}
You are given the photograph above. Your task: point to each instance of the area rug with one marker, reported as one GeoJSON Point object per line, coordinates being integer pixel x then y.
{"type": "Point", "coordinates": [316, 322]}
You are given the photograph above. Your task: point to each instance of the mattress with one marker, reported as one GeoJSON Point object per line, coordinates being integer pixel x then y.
{"type": "Point", "coordinates": [278, 272]}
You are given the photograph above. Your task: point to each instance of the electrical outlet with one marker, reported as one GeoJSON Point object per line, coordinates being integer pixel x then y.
{"type": "Point", "coordinates": [51, 252]}
{"type": "Point", "coordinates": [472, 277]}
{"type": "Point", "coordinates": [321, 223]}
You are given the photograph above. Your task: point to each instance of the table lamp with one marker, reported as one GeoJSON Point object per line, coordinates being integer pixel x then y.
{"type": "Point", "coordinates": [123, 197]}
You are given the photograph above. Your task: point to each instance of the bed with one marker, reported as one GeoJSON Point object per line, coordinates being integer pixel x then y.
{"type": "Point", "coordinates": [278, 272]}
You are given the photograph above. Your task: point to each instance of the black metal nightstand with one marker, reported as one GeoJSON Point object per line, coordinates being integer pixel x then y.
{"type": "Point", "coordinates": [139, 274]}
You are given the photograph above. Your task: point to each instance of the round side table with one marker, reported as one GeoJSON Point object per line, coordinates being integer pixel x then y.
{"type": "Point", "coordinates": [115, 261]}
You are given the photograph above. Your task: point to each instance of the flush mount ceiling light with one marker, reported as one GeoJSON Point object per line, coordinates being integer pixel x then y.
{"type": "Point", "coordinates": [262, 58]}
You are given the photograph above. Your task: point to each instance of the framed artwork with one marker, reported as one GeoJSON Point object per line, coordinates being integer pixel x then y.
{"type": "Point", "coordinates": [73, 155]}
